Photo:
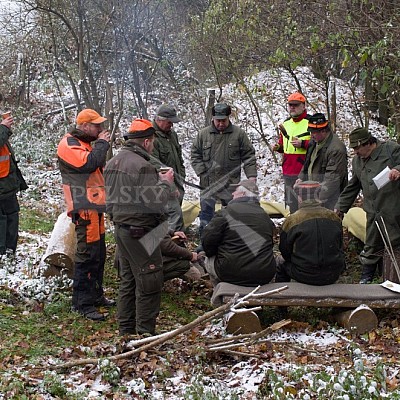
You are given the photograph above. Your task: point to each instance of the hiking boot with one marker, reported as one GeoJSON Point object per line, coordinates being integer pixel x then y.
{"type": "Point", "coordinates": [104, 302]}
{"type": "Point", "coordinates": [365, 281]}
{"type": "Point", "coordinates": [92, 314]}
{"type": "Point", "coordinates": [367, 274]}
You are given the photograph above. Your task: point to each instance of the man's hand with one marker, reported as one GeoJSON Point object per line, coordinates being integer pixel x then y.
{"type": "Point", "coordinates": [7, 122]}
{"type": "Point", "coordinates": [394, 174]}
{"type": "Point", "coordinates": [195, 256]}
{"type": "Point", "coordinates": [339, 213]}
{"type": "Point", "coordinates": [167, 176]}
{"type": "Point", "coordinates": [296, 142]}
{"type": "Point", "coordinates": [105, 135]}
{"type": "Point", "coordinates": [181, 235]}
{"type": "Point", "coordinates": [275, 147]}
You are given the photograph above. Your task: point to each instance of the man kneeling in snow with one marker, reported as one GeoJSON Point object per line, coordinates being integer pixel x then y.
{"type": "Point", "coordinates": [238, 241]}
{"type": "Point", "coordinates": [311, 241]}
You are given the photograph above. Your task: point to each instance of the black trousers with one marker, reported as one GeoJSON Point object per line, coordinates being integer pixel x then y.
{"type": "Point", "coordinates": [9, 221]}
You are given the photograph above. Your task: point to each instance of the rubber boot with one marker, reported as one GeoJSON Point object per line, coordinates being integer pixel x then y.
{"type": "Point", "coordinates": [367, 274]}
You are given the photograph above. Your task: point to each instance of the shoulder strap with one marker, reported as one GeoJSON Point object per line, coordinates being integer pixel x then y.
{"type": "Point", "coordinates": [390, 155]}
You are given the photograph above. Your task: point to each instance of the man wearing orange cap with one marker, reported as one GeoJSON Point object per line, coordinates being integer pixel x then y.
{"type": "Point", "coordinates": [293, 142]}
{"type": "Point", "coordinates": [81, 166]}
{"type": "Point", "coordinates": [136, 199]}
{"type": "Point", "coordinates": [326, 161]}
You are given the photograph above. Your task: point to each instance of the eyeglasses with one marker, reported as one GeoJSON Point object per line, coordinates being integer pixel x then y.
{"type": "Point", "coordinates": [294, 104]}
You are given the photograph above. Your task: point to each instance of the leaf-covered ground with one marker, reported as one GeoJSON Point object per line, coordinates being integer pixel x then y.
{"type": "Point", "coordinates": [309, 358]}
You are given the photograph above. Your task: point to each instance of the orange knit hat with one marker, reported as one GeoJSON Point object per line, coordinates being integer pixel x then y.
{"type": "Point", "coordinates": [140, 128]}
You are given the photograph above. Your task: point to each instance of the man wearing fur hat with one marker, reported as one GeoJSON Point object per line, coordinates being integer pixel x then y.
{"type": "Point", "coordinates": [326, 161]}
{"type": "Point", "coordinates": [136, 195]}
{"type": "Point", "coordinates": [381, 205]}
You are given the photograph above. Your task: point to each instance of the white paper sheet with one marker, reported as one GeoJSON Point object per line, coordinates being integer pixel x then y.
{"type": "Point", "coordinates": [394, 287]}
{"type": "Point", "coordinates": [382, 178]}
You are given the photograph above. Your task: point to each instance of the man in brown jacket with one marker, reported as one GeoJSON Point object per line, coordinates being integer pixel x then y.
{"type": "Point", "coordinates": [136, 195]}
{"type": "Point", "coordinates": [178, 261]}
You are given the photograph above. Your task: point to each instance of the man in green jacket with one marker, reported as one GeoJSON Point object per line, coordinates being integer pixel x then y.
{"type": "Point", "coordinates": [218, 154]}
{"type": "Point", "coordinates": [380, 205]}
{"type": "Point", "coordinates": [326, 161]}
{"type": "Point", "coordinates": [11, 182]}
{"type": "Point", "coordinates": [168, 153]}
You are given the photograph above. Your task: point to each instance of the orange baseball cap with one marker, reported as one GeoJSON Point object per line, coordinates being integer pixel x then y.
{"type": "Point", "coordinates": [90, 116]}
{"type": "Point", "coordinates": [296, 97]}
{"type": "Point", "coordinates": [140, 128]}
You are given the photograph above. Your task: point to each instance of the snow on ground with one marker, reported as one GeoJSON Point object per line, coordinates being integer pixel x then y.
{"type": "Point", "coordinates": [24, 273]}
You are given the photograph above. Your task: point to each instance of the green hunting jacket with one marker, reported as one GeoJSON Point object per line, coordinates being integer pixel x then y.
{"type": "Point", "coordinates": [168, 153]}
{"type": "Point", "coordinates": [329, 168]}
{"type": "Point", "coordinates": [217, 157]}
{"type": "Point", "coordinates": [382, 202]}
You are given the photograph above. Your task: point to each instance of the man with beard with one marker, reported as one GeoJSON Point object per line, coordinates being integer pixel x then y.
{"type": "Point", "coordinates": [293, 142]}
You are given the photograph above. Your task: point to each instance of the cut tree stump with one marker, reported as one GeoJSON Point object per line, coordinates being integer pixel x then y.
{"type": "Point", "coordinates": [388, 269]}
{"type": "Point", "coordinates": [60, 252]}
{"type": "Point", "coordinates": [358, 321]}
{"type": "Point", "coordinates": [243, 322]}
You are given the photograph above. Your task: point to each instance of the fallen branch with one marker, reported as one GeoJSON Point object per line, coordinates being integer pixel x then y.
{"type": "Point", "coordinates": [150, 342]}
{"type": "Point", "coordinates": [249, 339]}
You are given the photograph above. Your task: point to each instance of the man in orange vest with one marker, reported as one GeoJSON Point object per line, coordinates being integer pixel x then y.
{"type": "Point", "coordinates": [11, 182]}
{"type": "Point", "coordinates": [81, 166]}
{"type": "Point", "coordinates": [293, 142]}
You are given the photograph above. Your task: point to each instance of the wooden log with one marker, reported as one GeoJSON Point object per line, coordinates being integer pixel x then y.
{"type": "Point", "coordinates": [358, 321]}
{"type": "Point", "coordinates": [60, 253]}
{"type": "Point", "coordinates": [243, 322]}
{"type": "Point", "coordinates": [389, 272]}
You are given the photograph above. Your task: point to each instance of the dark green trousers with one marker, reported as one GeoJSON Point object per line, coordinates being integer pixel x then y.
{"type": "Point", "coordinates": [141, 281]}
{"type": "Point", "coordinates": [175, 269]}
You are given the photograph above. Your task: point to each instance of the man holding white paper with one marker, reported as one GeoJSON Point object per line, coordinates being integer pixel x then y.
{"type": "Point", "coordinates": [370, 159]}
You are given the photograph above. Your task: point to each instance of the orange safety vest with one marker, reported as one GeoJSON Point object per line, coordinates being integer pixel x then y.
{"type": "Point", "coordinates": [81, 190]}
{"type": "Point", "coordinates": [5, 159]}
